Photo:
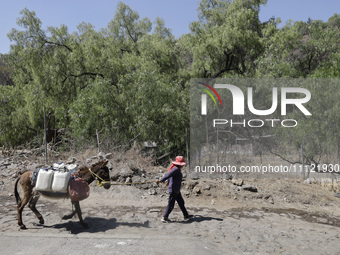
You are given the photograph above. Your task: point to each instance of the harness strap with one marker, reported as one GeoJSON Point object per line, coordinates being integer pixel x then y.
{"type": "Point", "coordinates": [96, 176]}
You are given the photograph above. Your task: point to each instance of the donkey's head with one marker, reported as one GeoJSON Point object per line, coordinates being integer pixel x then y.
{"type": "Point", "coordinates": [98, 171]}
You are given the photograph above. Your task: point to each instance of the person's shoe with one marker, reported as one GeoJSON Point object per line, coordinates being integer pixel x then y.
{"type": "Point", "coordinates": [165, 220]}
{"type": "Point", "coordinates": [187, 218]}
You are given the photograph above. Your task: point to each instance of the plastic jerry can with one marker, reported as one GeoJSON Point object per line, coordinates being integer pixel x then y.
{"type": "Point", "coordinates": [72, 168]}
{"type": "Point", "coordinates": [60, 181]}
{"type": "Point", "coordinates": [44, 180]}
{"type": "Point", "coordinates": [58, 166]}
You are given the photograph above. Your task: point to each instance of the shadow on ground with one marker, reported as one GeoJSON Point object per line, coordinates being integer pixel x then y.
{"type": "Point", "coordinates": [96, 225]}
{"type": "Point", "coordinates": [200, 218]}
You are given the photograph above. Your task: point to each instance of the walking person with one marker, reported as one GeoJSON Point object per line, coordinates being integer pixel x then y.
{"type": "Point", "coordinates": [175, 176]}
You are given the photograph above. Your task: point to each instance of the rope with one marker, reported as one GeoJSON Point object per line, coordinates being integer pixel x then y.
{"type": "Point", "coordinates": [131, 183]}
{"type": "Point", "coordinates": [98, 177]}
{"type": "Point", "coordinates": [103, 182]}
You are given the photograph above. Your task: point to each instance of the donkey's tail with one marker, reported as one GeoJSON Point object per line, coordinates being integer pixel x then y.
{"type": "Point", "coordinates": [17, 196]}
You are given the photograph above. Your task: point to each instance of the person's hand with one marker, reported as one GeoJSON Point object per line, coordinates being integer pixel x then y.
{"type": "Point", "coordinates": [158, 182]}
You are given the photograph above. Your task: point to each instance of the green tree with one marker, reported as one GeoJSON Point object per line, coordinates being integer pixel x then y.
{"type": "Point", "coordinates": [5, 73]}
{"type": "Point", "coordinates": [123, 80]}
{"type": "Point", "coordinates": [130, 80]}
{"type": "Point", "coordinates": [298, 50]}
{"type": "Point", "coordinates": [227, 38]}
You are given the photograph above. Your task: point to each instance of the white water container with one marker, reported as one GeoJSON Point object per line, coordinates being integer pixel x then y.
{"type": "Point", "coordinates": [60, 181]}
{"type": "Point", "coordinates": [58, 166]}
{"type": "Point", "coordinates": [72, 168]}
{"type": "Point", "coordinates": [44, 180]}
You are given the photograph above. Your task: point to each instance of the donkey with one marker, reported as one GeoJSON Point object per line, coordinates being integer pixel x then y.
{"type": "Point", "coordinates": [98, 171]}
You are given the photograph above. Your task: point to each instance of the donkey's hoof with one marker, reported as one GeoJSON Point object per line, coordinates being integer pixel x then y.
{"type": "Point", "coordinates": [66, 217]}
{"type": "Point", "coordinates": [41, 222]}
{"type": "Point", "coordinates": [23, 227]}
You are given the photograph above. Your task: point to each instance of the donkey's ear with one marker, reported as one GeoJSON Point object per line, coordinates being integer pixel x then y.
{"type": "Point", "coordinates": [104, 163]}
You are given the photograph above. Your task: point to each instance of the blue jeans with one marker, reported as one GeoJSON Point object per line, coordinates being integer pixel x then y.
{"type": "Point", "coordinates": [172, 199]}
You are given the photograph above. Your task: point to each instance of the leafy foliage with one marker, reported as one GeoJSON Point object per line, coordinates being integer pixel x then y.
{"type": "Point", "coordinates": [130, 80]}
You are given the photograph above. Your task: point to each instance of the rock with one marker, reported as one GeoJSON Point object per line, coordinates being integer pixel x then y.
{"type": "Point", "coordinates": [237, 182]}
{"type": "Point", "coordinates": [101, 155]}
{"type": "Point", "coordinates": [194, 176]}
{"type": "Point", "coordinates": [71, 160]}
{"type": "Point", "coordinates": [12, 166]}
{"type": "Point", "coordinates": [236, 238]}
{"type": "Point", "coordinates": [249, 188]}
{"type": "Point", "coordinates": [152, 192]}
{"type": "Point", "coordinates": [154, 210]}
{"type": "Point", "coordinates": [228, 177]}
{"type": "Point", "coordinates": [2, 183]}
{"type": "Point", "coordinates": [337, 195]}
{"type": "Point", "coordinates": [114, 176]}
{"type": "Point", "coordinates": [128, 180]}
{"type": "Point", "coordinates": [136, 179]}
{"type": "Point", "coordinates": [125, 172]}
{"type": "Point", "coordinates": [286, 200]}
{"type": "Point", "coordinates": [136, 170]}
{"type": "Point", "coordinates": [6, 162]}
{"type": "Point", "coordinates": [196, 191]}
{"type": "Point", "coordinates": [145, 186]}
{"type": "Point", "coordinates": [108, 155]}
{"type": "Point", "coordinates": [6, 173]}
{"type": "Point", "coordinates": [191, 185]}
{"type": "Point", "coordinates": [322, 220]}
{"type": "Point", "coordinates": [269, 198]}
{"type": "Point", "coordinates": [308, 181]}
{"type": "Point", "coordinates": [207, 187]}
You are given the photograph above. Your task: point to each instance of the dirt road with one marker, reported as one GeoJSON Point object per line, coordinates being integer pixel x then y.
{"type": "Point", "coordinates": [279, 216]}
{"type": "Point", "coordinates": [121, 225]}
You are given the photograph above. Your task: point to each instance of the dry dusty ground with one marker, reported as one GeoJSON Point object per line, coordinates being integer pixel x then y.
{"type": "Point", "coordinates": [285, 216]}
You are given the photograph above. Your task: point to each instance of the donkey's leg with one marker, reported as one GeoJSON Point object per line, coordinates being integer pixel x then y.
{"type": "Point", "coordinates": [69, 216]}
{"type": "Point", "coordinates": [32, 204]}
{"type": "Point", "coordinates": [77, 207]}
{"type": "Point", "coordinates": [20, 207]}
